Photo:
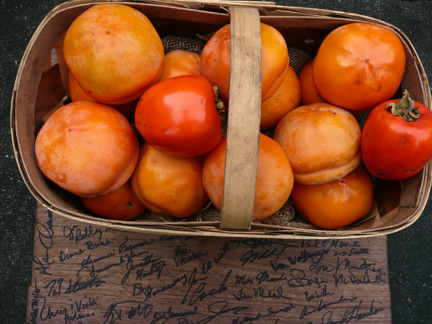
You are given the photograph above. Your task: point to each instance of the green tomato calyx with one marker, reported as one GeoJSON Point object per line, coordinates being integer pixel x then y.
{"type": "Point", "coordinates": [405, 108]}
{"type": "Point", "coordinates": [218, 102]}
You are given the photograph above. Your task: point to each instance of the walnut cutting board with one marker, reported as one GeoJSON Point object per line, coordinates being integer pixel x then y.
{"type": "Point", "coordinates": [88, 274]}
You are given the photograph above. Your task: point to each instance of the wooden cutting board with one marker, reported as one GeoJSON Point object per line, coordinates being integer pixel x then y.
{"type": "Point", "coordinates": [88, 274]}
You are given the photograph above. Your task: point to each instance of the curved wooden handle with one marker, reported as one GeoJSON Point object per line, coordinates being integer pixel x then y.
{"type": "Point", "coordinates": [243, 119]}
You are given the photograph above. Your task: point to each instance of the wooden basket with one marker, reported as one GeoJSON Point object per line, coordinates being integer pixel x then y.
{"type": "Point", "coordinates": [39, 90]}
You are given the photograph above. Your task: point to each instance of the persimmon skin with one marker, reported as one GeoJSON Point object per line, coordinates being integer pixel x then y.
{"type": "Point", "coordinates": [309, 92]}
{"type": "Point", "coordinates": [87, 148]}
{"type": "Point", "coordinates": [274, 178]}
{"type": "Point", "coordinates": [321, 141]}
{"type": "Point", "coordinates": [359, 65]}
{"type": "Point", "coordinates": [180, 62]}
{"type": "Point", "coordinates": [337, 203]}
{"type": "Point", "coordinates": [120, 204]}
{"type": "Point", "coordinates": [169, 185]}
{"type": "Point", "coordinates": [286, 97]}
{"type": "Point", "coordinates": [114, 52]}
{"type": "Point", "coordinates": [216, 55]}
{"type": "Point", "coordinates": [76, 93]}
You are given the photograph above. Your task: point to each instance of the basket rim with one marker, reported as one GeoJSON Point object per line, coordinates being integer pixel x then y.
{"type": "Point", "coordinates": [309, 13]}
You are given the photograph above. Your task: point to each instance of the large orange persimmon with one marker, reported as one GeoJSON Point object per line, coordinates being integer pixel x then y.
{"type": "Point", "coordinates": [216, 55]}
{"type": "Point", "coordinates": [169, 185]}
{"type": "Point", "coordinates": [274, 178]}
{"type": "Point", "coordinates": [321, 141]}
{"type": "Point", "coordinates": [337, 203]}
{"type": "Point", "coordinates": [87, 148]}
{"type": "Point", "coordinates": [359, 65]}
{"type": "Point", "coordinates": [114, 52]}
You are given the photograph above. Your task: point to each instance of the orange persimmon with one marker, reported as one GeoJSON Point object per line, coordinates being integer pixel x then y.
{"type": "Point", "coordinates": [87, 148]}
{"type": "Point", "coordinates": [114, 52]}
{"type": "Point", "coordinates": [274, 178]}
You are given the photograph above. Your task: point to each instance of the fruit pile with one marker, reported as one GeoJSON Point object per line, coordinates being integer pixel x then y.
{"type": "Point", "coordinates": [144, 129]}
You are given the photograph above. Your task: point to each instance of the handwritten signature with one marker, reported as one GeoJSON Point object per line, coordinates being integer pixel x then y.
{"type": "Point", "coordinates": [45, 234]}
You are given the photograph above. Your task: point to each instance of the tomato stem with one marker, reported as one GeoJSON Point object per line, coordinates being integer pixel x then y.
{"type": "Point", "coordinates": [218, 102]}
{"type": "Point", "coordinates": [405, 108]}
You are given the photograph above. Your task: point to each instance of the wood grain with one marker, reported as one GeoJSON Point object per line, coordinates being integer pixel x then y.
{"type": "Point", "coordinates": [89, 274]}
{"type": "Point", "coordinates": [243, 119]}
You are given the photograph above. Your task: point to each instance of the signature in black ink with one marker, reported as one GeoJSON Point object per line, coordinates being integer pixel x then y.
{"type": "Point", "coordinates": [318, 294]}
{"type": "Point", "coordinates": [76, 234]}
{"type": "Point", "coordinates": [262, 243]}
{"type": "Point", "coordinates": [345, 264]}
{"type": "Point", "coordinates": [181, 279]}
{"type": "Point", "coordinates": [129, 309]}
{"type": "Point", "coordinates": [243, 280]}
{"type": "Point", "coordinates": [45, 233]}
{"type": "Point", "coordinates": [262, 293]}
{"type": "Point", "coordinates": [252, 255]}
{"type": "Point", "coordinates": [298, 278]}
{"type": "Point", "coordinates": [41, 265]}
{"type": "Point", "coordinates": [324, 305]}
{"type": "Point", "coordinates": [66, 255]}
{"type": "Point", "coordinates": [181, 258]}
{"type": "Point", "coordinates": [314, 256]}
{"type": "Point", "coordinates": [353, 314]}
{"type": "Point", "coordinates": [94, 245]}
{"type": "Point", "coordinates": [270, 312]}
{"type": "Point", "coordinates": [279, 265]}
{"type": "Point", "coordinates": [156, 266]}
{"type": "Point", "coordinates": [59, 286]}
{"type": "Point", "coordinates": [148, 291]}
{"type": "Point", "coordinates": [367, 277]}
{"type": "Point", "coordinates": [36, 297]}
{"type": "Point", "coordinates": [199, 293]}
{"type": "Point", "coordinates": [163, 317]}
{"type": "Point", "coordinates": [317, 268]}
{"type": "Point", "coordinates": [76, 311]}
{"type": "Point", "coordinates": [219, 308]}
{"type": "Point", "coordinates": [264, 277]}
{"type": "Point", "coordinates": [124, 247]}
{"type": "Point", "coordinates": [352, 251]}
{"type": "Point", "coordinates": [330, 243]}
{"type": "Point", "coordinates": [220, 255]}
{"type": "Point", "coordinates": [191, 281]}
{"type": "Point", "coordinates": [79, 284]}
{"type": "Point", "coordinates": [54, 287]}
{"type": "Point", "coordinates": [89, 263]}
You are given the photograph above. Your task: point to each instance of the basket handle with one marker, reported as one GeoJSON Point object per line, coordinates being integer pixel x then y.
{"type": "Point", "coordinates": [244, 114]}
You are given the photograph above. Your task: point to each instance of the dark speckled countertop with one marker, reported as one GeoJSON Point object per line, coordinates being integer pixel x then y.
{"type": "Point", "coordinates": [410, 251]}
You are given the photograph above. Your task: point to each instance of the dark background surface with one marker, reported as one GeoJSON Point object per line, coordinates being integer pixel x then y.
{"type": "Point", "coordinates": [410, 251]}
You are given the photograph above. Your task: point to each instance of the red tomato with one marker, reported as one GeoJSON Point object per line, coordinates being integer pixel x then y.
{"type": "Point", "coordinates": [396, 140]}
{"type": "Point", "coordinates": [178, 116]}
